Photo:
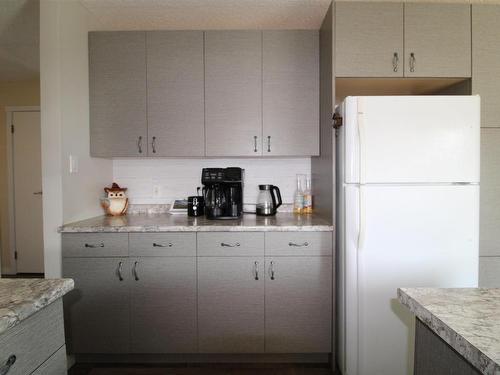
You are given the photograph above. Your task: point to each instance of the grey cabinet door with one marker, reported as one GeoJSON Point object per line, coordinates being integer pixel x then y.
{"type": "Point", "coordinates": [489, 272]}
{"type": "Point", "coordinates": [290, 92]}
{"type": "Point", "coordinates": [231, 304]}
{"type": "Point", "coordinates": [439, 37]}
{"type": "Point", "coordinates": [233, 93]}
{"type": "Point", "coordinates": [298, 304]}
{"type": "Point", "coordinates": [175, 93]}
{"type": "Point", "coordinates": [486, 61]}
{"type": "Point", "coordinates": [163, 305]}
{"type": "Point", "coordinates": [97, 311]}
{"type": "Point", "coordinates": [117, 90]}
{"type": "Point", "coordinates": [369, 39]}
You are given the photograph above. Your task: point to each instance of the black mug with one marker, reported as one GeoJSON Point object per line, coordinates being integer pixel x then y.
{"type": "Point", "coordinates": [196, 205]}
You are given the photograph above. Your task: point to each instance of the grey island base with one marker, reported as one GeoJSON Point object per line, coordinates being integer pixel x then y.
{"type": "Point", "coordinates": [457, 330]}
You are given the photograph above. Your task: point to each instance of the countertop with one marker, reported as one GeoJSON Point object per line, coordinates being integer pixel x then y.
{"type": "Point", "coordinates": [21, 298]}
{"type": "Point", "coordinates": [282, 222]}
{"type": "Point", "coordinates": [467, 319]}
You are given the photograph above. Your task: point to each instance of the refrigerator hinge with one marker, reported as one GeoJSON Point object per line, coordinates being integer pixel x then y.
{"type": "Point", "coordinates": [337, 121]}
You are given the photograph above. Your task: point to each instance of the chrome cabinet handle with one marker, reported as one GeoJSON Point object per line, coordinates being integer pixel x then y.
{"type": "Point", "coordinates": [153, 145]}
{"type": "Point", "coordinates": [271, 270]}
{"type": "Point", "coordinates": [139, 144]}
{"type": "Point", "coordinates": [413, 61]}
{"type": "Point", "coordinates": [223, 244]}
{"type": "Point", "coordinates": [161, 245]}
{"type": "Point", "coordinates": [134, 271]}
{"type": "Point", "coordinates": [256, 270]}
{"type": "Point", "coordinates": [395, 62]}
{"type": "Point", "coordinates": [4, 370]}
{"type": "Point", "coordinates": [38, 193]}
{"type": "Point", "coordinates": [91, 246]}
{"type": "Point", "coordinates": [254, 143]}
{"type": "Point", "coordinates": [268, 143]}
{"type": "Point", "coordinates": [298, 244]}
{"type": "Point", "coordinates": [119, 271]}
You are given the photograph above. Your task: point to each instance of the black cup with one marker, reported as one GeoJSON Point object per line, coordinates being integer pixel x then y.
{"type": "Point", "coordinates": [196, 205]}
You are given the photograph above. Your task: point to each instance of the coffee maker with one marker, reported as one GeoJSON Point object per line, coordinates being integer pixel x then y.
{"type": "Point", "coordinates": [223, 191]}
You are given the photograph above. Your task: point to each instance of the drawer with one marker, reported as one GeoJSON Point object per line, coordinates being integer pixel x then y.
{"type": "Point", "coordinates": [231, 244]}
{"type": "Point", "coordinates": [79, 245]}
{"type": "Point", "coordinates": [299, 243]}
{"type": "Point", "coordinates": [34, 340]}
{"type": "Point", "coordinates": [55, 365]}
{"type": "Point", "coordinates": [162, 244]}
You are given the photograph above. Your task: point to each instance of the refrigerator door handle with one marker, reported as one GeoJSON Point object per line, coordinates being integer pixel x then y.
{"type": "Point", "coordinates": [361, 138]}
{"type": "Point", "coordinates": [361, 233]}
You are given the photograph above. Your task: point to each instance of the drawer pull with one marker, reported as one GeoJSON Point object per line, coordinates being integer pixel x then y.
{"type": "Point", "coordinates": [256, 270]}
{"type": "Point", "coordinates": [298, 244]}
{"type": "Point", "coordinates": [271, 270]}
{"type": "Point", "coordinates": [134, 271]}
{"type": "Point", "coordinates": [4, 370]}
{"type": "Point", "coordinates": [161, 245]}
{"type": "Point", "coordinates": [94, 246]}
{"type": "Point", "coordinates": [119, 271]}
{"type": "Point", "coordinates": [223, 244]}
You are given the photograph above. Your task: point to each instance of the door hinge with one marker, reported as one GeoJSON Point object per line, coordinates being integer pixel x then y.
{"type": "Point", "coordinates": [12, 128]}
{"type": "Point", "coordinates": [15, 255]}
{"type": "Point", "coordinates": [337, 121]}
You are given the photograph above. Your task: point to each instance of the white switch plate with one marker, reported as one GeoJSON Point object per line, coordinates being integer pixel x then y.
{"type": "Point", "coordinates": [73, 164]}
{"type": "Point", "coordinates": [156, 191]}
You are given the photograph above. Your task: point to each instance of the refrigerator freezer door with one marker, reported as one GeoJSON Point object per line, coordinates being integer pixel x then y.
{"type": "Point", "coordinates": [400, 236]}
{"type": "Point", "coordinates": [412, 139]}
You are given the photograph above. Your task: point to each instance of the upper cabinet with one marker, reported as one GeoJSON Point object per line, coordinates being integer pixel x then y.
{"type": "Point", "coordinates": [175, 93]}
{"type": "Point", "coordinates": [290, 92]}
{"type": "Point", "coordinates": [233, 87]}
{"type": "Point", "coordinates": [117, 89]}
{"type": "Point", "coordinates": [403, 40]}
{"type": "Point", "coordinates": [369, 39]}
{"type": "Point", "coordinates": [486, 61]}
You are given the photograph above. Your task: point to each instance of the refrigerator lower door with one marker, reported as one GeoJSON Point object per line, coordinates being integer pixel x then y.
{"type": "Point", "coordinates": [401, 236]}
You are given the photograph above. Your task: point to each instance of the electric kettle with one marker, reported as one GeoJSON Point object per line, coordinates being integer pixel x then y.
{"type": "Point", "coordinates": [266, 200]}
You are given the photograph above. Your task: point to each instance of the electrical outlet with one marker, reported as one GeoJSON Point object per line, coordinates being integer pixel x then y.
{"type": "Point", "coordinates": [73, 164]}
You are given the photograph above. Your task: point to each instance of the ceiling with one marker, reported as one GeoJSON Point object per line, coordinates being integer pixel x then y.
{"type": "Point", "coordinates": [19, 40]}
{"type": "Point", "coordinates": [207, 14]}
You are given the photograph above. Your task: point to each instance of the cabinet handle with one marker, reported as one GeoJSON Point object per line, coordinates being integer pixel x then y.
{"type": "Point", "coordinates": [4, 370]}
{"type": "Point", "coordinates": [120, 266]}
{"type": "Point", "coordinates": [256, 270]}
{"type": "Point", "coordinates": [254, 143]}
{"type": "Point", "coordinates": [223, 244]}
{"type": "Point", "coordinates": [161, 245]}
{"type": "Point", "coordinates": [413, 61]}
{"type": "Point", "coordinates": [395, 62]}
{"type": "Point", "coordinates": [91, 246]}
{"type": "Point", "coordinates": [271, 270]}
{"type": "Point", "coordinates": [139, 144]}
{"type": "Point", "coordinates": [153, 145]}
{"type": "Point", "coordinates": [134, 271]}
{"type": "Point", "coordinates": [298, 244]}
{"type": "Point", "coordinates": [268, 143]}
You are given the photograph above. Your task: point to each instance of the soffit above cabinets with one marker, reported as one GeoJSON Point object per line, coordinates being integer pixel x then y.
{"type": "Point", "coordinates": [207, 14]}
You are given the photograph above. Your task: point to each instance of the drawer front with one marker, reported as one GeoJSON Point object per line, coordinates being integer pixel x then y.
{"type": "Point", "coordinates": [34, 340]}
{"type": "Point", "coordinates": [80, 245]}
{"type": "Point", "coordinates": [230, 244]}
{"type": "Point", "coordinates": [55, 365]}
{"type": "Point", "coordinates": [162, 244]}
{"type": "Point", "coordinates": [299, 243]}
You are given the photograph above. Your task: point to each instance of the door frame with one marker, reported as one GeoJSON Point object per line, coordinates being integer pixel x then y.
{"type": "Point", "coordinates": [9, 111]}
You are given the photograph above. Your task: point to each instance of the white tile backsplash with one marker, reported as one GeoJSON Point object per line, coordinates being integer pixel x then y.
{"type": "Point", "coordinates": [159, 181]}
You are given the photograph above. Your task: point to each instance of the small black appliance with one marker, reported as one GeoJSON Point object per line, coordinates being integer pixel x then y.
{"type": "Point", "coordinates": [196, 205]}
{"type": "Point", "coordinates": [223, 192]}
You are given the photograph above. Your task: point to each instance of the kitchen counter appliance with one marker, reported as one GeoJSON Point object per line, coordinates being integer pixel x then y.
{"type": "Point", "coordinates": [223, 191]}
{"type": "Point", "coordinates": [268, 200]}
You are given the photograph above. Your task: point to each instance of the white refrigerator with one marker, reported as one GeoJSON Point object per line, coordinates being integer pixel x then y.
{"type": "Point", "coordinates": [407, 216]}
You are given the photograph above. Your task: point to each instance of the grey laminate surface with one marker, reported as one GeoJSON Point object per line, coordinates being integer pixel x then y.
{"type": "Point", "coordinates": [489, 272]}
{"type": "Point", "coordinates": [175, 84]}
{"type": "Point", "coordinates": [367, 37]}
{"type": "Point", "coordinates": [282, 222]}
{"type": "Point", "coordinates": [55, 365]}
{"type": "Point", "coordinates": [95, 245]}
{"type": "Point", "coordinates": [299, 244]}
{"type": "Point", "coordinates": [162, 244]}
{"type": "Point", "coordinates": [117, 74]}
{"type": "Point", "coordinates": [230, 244]}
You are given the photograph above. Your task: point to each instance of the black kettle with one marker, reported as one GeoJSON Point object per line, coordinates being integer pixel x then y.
{"type": "Point", "coordinates": [266, 201]}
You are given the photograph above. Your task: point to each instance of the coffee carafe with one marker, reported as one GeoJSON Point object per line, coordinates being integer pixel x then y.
{"type": "Point", "coordinates": [268, 200]}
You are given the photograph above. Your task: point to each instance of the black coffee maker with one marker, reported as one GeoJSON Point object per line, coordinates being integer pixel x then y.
{"type": "Point", "coordinates": [223, 191]}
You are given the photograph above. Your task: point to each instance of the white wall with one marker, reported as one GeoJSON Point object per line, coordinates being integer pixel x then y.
{"type": "Point", "coordinates": [158, 181]}
{"type": "Point", "coordinates": [65, 124]}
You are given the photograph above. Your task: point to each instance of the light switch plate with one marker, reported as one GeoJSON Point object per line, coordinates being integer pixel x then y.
{"type": "Point", "coordinates": [73, 164]}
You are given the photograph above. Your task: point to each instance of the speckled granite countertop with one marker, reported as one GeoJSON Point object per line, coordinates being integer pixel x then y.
{"type": "Point", "coordinates": [467, 319]}
{"type": "Point", "coordinates": [282, 222]}
{"type": "Point", "coordinates": [21, 298]}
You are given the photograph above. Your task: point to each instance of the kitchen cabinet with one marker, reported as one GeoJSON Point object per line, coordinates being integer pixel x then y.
{"type": "Point", "coordinates": [163, 305]}
{"type": "Point", "coordinates": [486, 61]}
{"type": "Point", "coordinates": [290, 78]}
{"type": "Point", "coordinates": [231, 304]}
{"type": "Point", "coordinates": [437, 40]}
{"type": "Point", "coordinates": [298, 304]}
{"type": "Point", "coordinates": [117, 90]}
{"type": "Point", "coordinates": [97, 312]}
{"type": "Point", "coordinates": [175, 92]}
{"type": "Point", "coordinates": [233, 92]}
{"type": "Point", "coordinates": [489, 272]}
{"type": "Point", "coordinates": [369, 39]}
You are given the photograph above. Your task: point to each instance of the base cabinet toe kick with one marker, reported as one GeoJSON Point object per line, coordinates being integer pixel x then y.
{"type": "Point", "coordinates": [199, 293]}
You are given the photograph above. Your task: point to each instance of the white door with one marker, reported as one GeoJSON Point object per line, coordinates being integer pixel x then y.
{"type": "Point", "coordinates": [393, 139]}
{"type": "Point", "coordinates": [401, 236]}
{"type": "Point", "coordinates": [27, 166]}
